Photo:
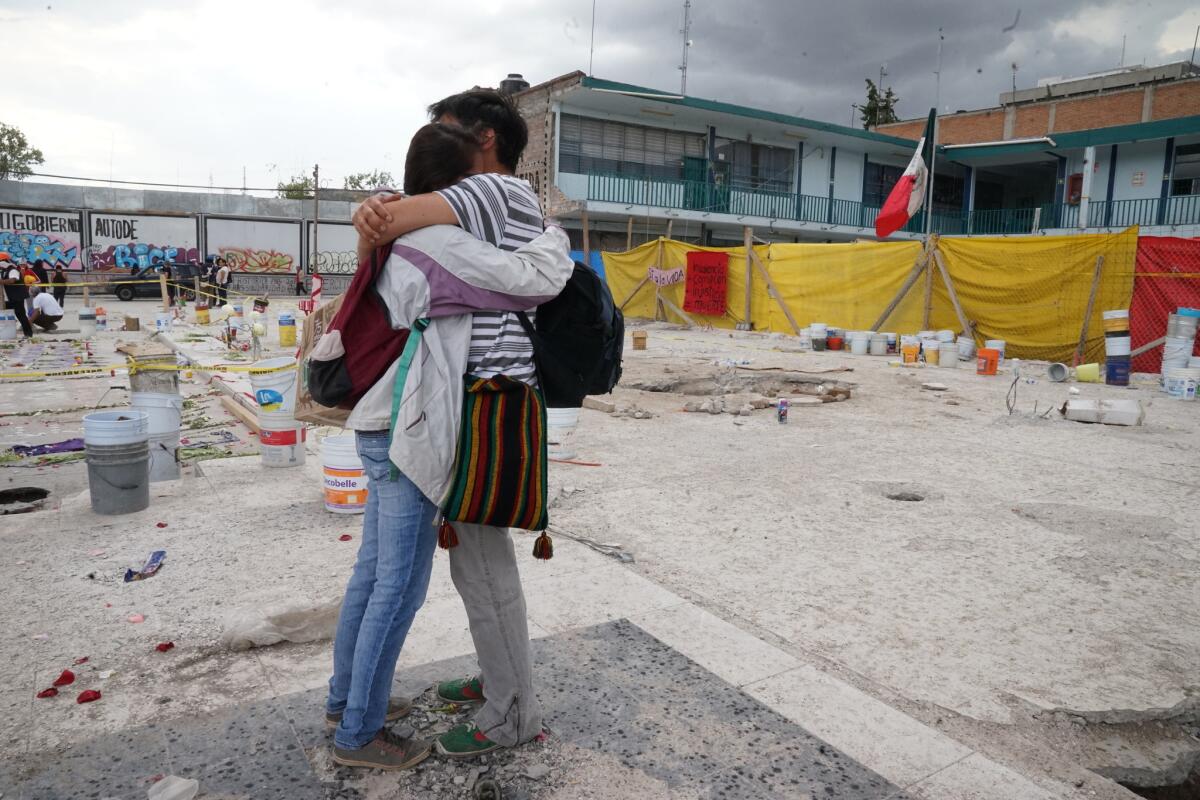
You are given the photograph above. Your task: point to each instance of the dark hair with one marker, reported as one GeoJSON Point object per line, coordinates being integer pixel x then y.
{"type": "Point", "coordinates": [41, 262]}
{"type": "Point", "coordinates": [486, 109]}
{"type": "Point", "coordinates": [439, 155]}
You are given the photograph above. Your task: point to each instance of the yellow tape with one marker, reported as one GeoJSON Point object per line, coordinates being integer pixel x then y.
{"type": "Point", "coordinates": [132, 370]}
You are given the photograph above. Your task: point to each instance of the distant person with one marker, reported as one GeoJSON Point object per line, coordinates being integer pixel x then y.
{"type": "Point", "coordinates": [60, 285]}
{"type": "Point", "coordinates": [165, 268]}
{"type": "Point", "coordinates": [15, 292]}
{"type": "Point", "coordinates": [46, 312]}
{"type": "Point", "coordinates": [300, 290]}
{"type": "Point", "coordinates": [39, 269]}
{"type": "Point", "coordinates": [224, 278]}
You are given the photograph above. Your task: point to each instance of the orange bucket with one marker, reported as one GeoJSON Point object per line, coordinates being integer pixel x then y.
{"type": "Point", "coordinates": [989, 360]}
{"type": "Point", "coordinates": [910, 353]}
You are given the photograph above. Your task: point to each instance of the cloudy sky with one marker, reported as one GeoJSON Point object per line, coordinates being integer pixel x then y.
{"type": "Point", "coordinates": [193, 91]}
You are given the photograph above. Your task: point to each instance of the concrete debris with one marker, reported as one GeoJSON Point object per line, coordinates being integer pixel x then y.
{"type": "Point", "coordinates": [536, 772]}
{"type": "Point", "coordinates": [596, 404]}
{"type": "Point", "coordinates": [247, 628]}
{"type": "Point", "coordinates": [1106, 412]}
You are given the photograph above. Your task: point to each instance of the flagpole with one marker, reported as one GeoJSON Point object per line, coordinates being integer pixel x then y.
{"type": "Point", "coordinates": [937, 94]}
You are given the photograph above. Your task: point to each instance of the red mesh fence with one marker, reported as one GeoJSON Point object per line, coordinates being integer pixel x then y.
{"type": "Point", "coordinates": [1167, 277]}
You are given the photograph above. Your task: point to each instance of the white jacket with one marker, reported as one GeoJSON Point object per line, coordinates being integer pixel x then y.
{"type": "Point", "coordinates": [442, 273]}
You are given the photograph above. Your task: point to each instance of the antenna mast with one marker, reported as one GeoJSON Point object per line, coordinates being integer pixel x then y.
{"type": "Point", "coordinates": [687, 43]}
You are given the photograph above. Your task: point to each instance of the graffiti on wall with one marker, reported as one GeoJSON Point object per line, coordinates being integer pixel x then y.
{"type": "Point", "coordinates": [337, 263]}
{"type": "Point", "coordinates": [246, 259]}
{"type": "Point", "coordinates": [52, 236]}
{"type": "Point", "coordinates": [135, 241]}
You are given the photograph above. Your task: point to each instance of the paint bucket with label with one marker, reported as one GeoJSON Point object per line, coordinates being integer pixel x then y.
{"type": "Point", "coordinates": [8, 325]}
{"type": "Point", "coordinates": [202, 315]}
{"type": "Point", "coordinates": [281, 441]}
{"type": "Point", "coordinates": [910, 353]}
{"type": "Point", "coordinates": [87, 322]}
{"type": "Point", "coordinates": [987, 361]}
{"type": "Point", "coordinates": [1180, 384]}
{"type": "Point", "coordinates": [101, 319]}
{"type": "Point", "coordinates": [932, 350]}
{"type": "Point", "coordinates": [834, 342]}
{"type": "Point", "coordinates": [287, 330]}
{"type": "Point", "coordinates": [1116, 370]}
{"type": "Point", "coordinates": [162, 322]}
{"type": "Point", "coordinates": [819, 343]}
{"type": "Point", "coordinates": [892, 343]}
{"type": "Point", "coordinates": [237, 310]}
{"type": "Point", "coordinates": [1117, 345]}
{"type": "Point", "coordinates": [998, 345]}
{"type": "Point", "coordinates": [1177, 352]}
{"type": "Point", "coordinates": [1116, 321]}
{"type": "Point", "coordinates": [274, 384]}
{"type": "Point", "coordinates": [345, 478]}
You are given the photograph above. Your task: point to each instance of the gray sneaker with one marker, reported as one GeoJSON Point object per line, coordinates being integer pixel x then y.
{"type": "Point", "coordinates": [398, 708]}
{"type": "Point", "coordinates": [386, 751]}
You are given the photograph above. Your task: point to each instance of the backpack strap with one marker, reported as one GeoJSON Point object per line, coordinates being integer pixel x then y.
{"type": "Point", "coordinates": [406, 359]}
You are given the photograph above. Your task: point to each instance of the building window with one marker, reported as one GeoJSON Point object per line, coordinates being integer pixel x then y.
{"type": "Point", "coordinates": [589, 145]}
{"type": "Point", "coordinates": [758, 167]}
{"type": "Point", "coordinates": [878, 183]}
{"type": "Point", "coordinates": [1185, 177]}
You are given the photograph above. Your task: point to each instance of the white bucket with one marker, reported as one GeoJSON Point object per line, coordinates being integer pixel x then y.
{"type": "Point", "coordinates": [1180, 384]}
{"type": "Point", "coordinates": [163, 411]}
{"type": "Point", "coordinates": [996, 344]}
{"type": "Point", "coordinates": [948, 354]}
{"type": "Point", "coordinates": [1117, 345]}
{"type": "Point", "coordinates": [274, 384]}
{"type": "Point", "coordinates": [966, 348]}
{"type": "Point", "coordinates": [860, 344]}
{"type": "Point", "coordinates": [281, 441]}
{"type": "Point", "coordinates": [164, 466]}
{"type": "Point", "coordinates": [1122, 313]}
{"type": "Point", "coordinates": [945, 336]}
{"type": "Point", "coordinates": [818, 329]}
{"type": "Point", "coordinates": [560, 430]}
{"type": "Point", "coordinates": [1177, 352]}
{"type": "Point", "coordinates": [879, 344]}
{"type": "Point", "coordinates": [127, 426]}
{"type": "Point", "coordinates": [345, 479]}
{"type": "Point", "coordinates": [8, 325]}
{"type": "Point", "coordinates": [1194, 362]}
{"type": "Point", "coordinates": [162, 322]}
{"type": "Point", "coordinates": [87, 322]}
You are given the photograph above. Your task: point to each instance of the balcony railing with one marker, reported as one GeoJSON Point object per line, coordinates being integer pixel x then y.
{"type": "Point", "coordinates": [746, 202]}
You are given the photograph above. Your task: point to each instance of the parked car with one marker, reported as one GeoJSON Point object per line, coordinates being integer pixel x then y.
{"type": "Point", "coordinates": [144, 282]}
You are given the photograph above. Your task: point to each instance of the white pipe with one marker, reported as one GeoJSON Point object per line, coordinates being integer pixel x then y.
{"type": "Point", "coordinates": [1031, 140]}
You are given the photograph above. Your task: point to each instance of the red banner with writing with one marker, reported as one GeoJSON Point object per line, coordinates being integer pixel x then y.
{"type": "Point", "coordinates": [705, 284]}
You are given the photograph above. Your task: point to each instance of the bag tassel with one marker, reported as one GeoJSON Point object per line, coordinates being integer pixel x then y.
{"type": "Point", "coordinates": [543, 547]}
{"type": "Point", "coordinates": [447, 538]}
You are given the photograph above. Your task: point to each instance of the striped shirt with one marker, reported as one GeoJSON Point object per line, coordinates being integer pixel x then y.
{"type": "Point", "coordinates": [503, 211]}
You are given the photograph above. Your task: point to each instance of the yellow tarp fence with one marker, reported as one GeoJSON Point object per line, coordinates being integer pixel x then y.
{"type": "Point", "coordinates": [1030, 291]}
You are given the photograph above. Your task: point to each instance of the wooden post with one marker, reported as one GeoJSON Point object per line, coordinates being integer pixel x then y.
{"type": "Point", "coordinates": [658, 264]}
{"type": "Point", "coordinates": [86, 299]}
{"type": "Point", "coordinates": [629, 234]}
{"type": "Point", "coordinates": [162, 287]}
{"type": "Point", "coordinates": [748, 243]}
{"type": "Point", "coordinates": [968, 329]}
{"type": "Point", "coordinates": [1148, 346]}
{"type": "Point", "coordinates": [921, 264]}
{"type": "Point", "coordinates": [670, 226]}
{"type": "Point", "coordinates": [587, 254]}
{"type": "Point", "coordinates": [196, 287]}
{"type": "Point", "coordinates": [774, 292]}
{"type": "Point", "coordinates": [633, 294]}
{"type": "Point", "coordinates": [1091, 304]}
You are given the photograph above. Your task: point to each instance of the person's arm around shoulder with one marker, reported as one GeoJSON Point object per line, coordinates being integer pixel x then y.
{"type": "Point", "coordinates": [381, 219]}
{"type": "Point", "coordinates": [537, 270]}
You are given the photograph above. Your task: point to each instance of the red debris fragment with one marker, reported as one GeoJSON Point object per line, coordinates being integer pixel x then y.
{"type": "Point", "coordinates": [81, 660]}
{"type": "Point", "coordinates": [51, 692]}
{"type": "Point", "coordinates": [163, 647]}
{"type": "Point", "coordinates": [88, 696]}
{"type": "Point", "coordinates": [345, 537]}
{"type": "Point", "coordinates": [160, 525]}
{"type": "Point", "coordinates": [65, 679]}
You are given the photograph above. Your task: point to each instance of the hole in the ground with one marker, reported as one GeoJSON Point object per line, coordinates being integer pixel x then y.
{"type": "Point", "coordinates": [22, 499]}
{"type": "Point", "coordinates": [906, 497]}
{"type": "Point", "coordinates": [1188, 790]}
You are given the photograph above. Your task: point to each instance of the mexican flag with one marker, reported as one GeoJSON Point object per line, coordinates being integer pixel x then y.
{"type": "Point", "coordinates": [908, 195]}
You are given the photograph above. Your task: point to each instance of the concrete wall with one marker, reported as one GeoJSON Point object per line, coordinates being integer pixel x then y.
{"type": "Point", "coordinates": [1146, 158]}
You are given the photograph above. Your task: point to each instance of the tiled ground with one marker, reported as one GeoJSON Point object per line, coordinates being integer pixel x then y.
{"type": "Point", "coordinates": [610, 688]}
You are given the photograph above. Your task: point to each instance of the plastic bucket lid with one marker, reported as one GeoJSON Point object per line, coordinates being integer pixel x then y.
{"type": "Point", "coordinates": [116, 427]}
{"type": "Point", "coordinates": [1121, 313]}
{"type": "Point", "coordinates": [945, 336]}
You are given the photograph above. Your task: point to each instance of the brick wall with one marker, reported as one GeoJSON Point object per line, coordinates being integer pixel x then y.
{"type": "Point", "coordinates": [1176, 100]}
{"type": "Point", "coordinates": [1032, 121]}
{"type": "Point", "coordinates": [1102, 111]}
{"type": "Point", "coordinates": [912, 129]}
{"type": "Point", "coordinates": [984, 126]}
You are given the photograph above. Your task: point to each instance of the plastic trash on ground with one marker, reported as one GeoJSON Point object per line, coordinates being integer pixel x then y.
{"type": "Point", "coordinates": [1106, 412]}
{"type": "Point", "coordinates": [251, 627]}
{"type": "Point", "coordinates": [174, 787]}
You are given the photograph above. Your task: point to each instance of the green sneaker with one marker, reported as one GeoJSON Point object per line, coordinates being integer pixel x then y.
{"type": "Point", "coordinates": [463, 691]}
{"type": "Point", "coordinates": [465, 741]}
{"type": "Point", "coordinates": [397, 708]}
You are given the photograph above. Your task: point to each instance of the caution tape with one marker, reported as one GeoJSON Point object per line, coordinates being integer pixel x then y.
{"type": "Point", "coordinates": [132, 369]}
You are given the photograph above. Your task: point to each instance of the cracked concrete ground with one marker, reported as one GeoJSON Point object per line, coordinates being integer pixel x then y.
{"type": "Point", "coordinates": [1031, 619]}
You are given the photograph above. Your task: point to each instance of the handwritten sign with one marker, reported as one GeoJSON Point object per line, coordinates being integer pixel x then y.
{"type": "Point", "coordinates": [706, 283]}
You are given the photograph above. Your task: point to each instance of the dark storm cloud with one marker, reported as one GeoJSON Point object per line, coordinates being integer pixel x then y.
{"type": "Point", "coordinates": [811, 58]}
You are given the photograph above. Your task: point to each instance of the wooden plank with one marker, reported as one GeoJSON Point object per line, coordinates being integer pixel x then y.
{"type": "Point", "coordinates": [927, 311]}
{"type": "Point", "coordinates": [1091, 305]}
{"type": "Point", "coordinates": [1148, 346]}
{"type": "Point", "coordinates": [677, 310]}
{"type": "Point", "coordinates": [587, 250]}
{"type": "Point", "coordinates": [162, 287]}
{"type": "Point", "coordinates": [918, 267]}
{"type": "Point", "coordinates": [670, 226]}
{"type": "Point", "coordinates": [633, 294]}
{"type": "Point", "coordinates": [629, 234]}
{"type": "Point", "coordinates": [244, 415]}
{"type": "Point", "coordinates": [967, 327]}
{"type": "Point", "coordinates": [773, 291]}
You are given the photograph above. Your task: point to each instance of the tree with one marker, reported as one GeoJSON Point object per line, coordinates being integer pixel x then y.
{"type": "Point", "coordinates": [878, 110]}
{"type": "Point", "coordinates": [16, 156]}
{"type": "Point", "coordinates": [366, 181]}
{"type": "Point", "coordinates": [298, 187]}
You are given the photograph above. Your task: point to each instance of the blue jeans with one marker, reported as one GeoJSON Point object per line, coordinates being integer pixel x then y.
{"type": "Point", "coordinates": [388, 585]}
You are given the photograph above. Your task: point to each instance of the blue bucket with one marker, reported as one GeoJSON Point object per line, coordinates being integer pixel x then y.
{"type": "Point", "coordinates": [1116, 370]}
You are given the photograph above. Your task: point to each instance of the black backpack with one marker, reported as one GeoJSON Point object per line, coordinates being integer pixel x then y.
{"type": "Point", "coordinates": [577, 341]}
